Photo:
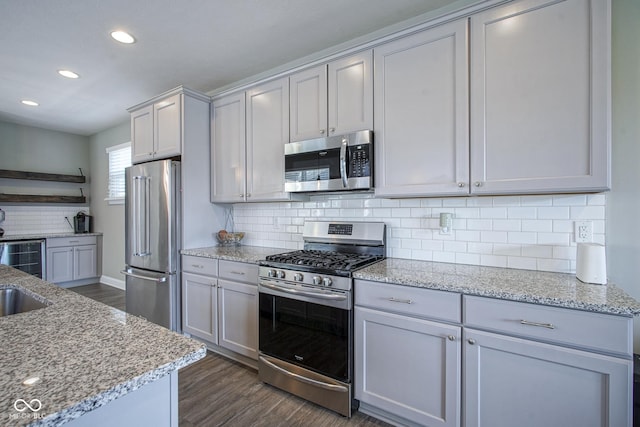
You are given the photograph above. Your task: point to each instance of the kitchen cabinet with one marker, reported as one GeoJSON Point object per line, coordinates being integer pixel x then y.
{"type": "Point", "coordinates": [407, 359]}
{"type": "Point", "coordinates": [228, 145]}
{"type": "Point", "coordinates": [220, 305]}
{"type": "Point", "coordinates": [421, 101]}
{"type": "Point", "coordinates": [158, 126]}
{"type": "Point", "coordinates": [332, 99]}
{"type": "Point", "coordinates": [531, 365]}
{"type": "Point", "coordinates": [527, 113]}
{"type": "Point", "coordinates": [72, 259]}
{"type": "Point", "coordinates": [540, 97]}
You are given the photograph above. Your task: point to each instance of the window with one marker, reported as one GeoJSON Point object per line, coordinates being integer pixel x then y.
{"type": "Point", "coordinates": [119, 159]}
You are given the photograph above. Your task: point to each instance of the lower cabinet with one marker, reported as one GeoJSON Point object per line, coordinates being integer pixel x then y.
{"type": "Point", "coordinates": [408, 369]}
{"type": "Point", "coordinates": [73, 259]}
{"type": "Point", "coordinates": [220, 304]}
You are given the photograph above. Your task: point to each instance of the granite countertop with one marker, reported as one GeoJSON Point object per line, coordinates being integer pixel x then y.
{"type": "Point", "coordinates": [538, 287]}
{"type": "Point", "coordinates": [6, 238]}
{"type": "Point", "coordinates": [86, 353]}
{"type": "Point", "coordinates": [250, 254]}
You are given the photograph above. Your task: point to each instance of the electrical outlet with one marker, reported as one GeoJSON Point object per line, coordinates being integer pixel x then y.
{"type": "Point", "coordinates": [583, 231]}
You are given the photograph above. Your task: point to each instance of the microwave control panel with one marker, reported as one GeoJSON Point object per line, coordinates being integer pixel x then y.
{"type": "Point", "coordinates": [360, 164]}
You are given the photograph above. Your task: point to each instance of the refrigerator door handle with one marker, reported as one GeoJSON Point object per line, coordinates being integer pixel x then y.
{"type": "Point", "coordinates": [140, 223]}
{"type": "Point", "coordinates": [140, 276]}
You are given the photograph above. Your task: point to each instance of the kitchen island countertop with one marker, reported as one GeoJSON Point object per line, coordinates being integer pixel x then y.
{"type": "Point", "coordinates": [537, 287]}
{"type": "Point", "coordinates": [85, 353]}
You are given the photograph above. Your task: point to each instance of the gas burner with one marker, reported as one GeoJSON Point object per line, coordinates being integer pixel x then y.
{"type": "Point", "coordinates": [326, 260]}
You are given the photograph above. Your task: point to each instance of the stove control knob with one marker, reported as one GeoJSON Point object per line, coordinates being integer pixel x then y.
{"type": "Point", "coordinates": [271, 273]}
{"type": "Point", "coordinates": [281, 274]}
{"type": "Point", "coordinates": [327, 281]}
{"type": "Point", "coordinates": [317, 280]}
{"type": "Point", "coordinates": [298, 277]}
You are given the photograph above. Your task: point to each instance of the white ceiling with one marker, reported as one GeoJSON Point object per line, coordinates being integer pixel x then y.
{"type": "Point", "coordinates": [201, 44]}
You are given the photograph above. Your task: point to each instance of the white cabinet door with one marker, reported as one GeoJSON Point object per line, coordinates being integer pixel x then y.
{"type": "Point", "coordinates": [350, 94]}
{"type": "Point", "coordinates": [59, 264]}
{"type": "Point", "coordinates": [167, 119]}
{"type": "Point", "coordinates": [308, 103]}
{"type": "Point", "coordinates": [421, 113]}
{"type": "Point", "coordinates": [85, 260]}
{"type": "Point", "coordinates": [199, 306]}
{"type": "Point", "coordinates": [514, 382]}
{"type": "Point", "coordinates": [142, 134]}
{"type": "Point", "coordinates": [238, 317]}
{"type": "Point", "coordinates": [408, 367]}
{"type": "Point", "coordinates": [228, 139]}
{"type": "Point", "coordinates": [540, 97]}
{"type": "Point", "coordinates": [267, 132]}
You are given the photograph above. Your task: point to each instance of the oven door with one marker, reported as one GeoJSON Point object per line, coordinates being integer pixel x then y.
{"type": "Point", "coordinates": [312, 333]}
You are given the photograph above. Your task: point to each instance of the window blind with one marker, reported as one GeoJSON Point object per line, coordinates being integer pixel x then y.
{"type": "Point", "coordinates": [119, 159]}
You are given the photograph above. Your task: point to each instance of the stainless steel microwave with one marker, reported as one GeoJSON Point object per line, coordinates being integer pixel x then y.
{"type": "Point", "coordinates": [334, 163]}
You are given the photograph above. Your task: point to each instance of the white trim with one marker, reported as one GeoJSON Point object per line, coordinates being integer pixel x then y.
{"type": "Point", "coordinates": [118, 147]}
{"type": "Point", "coordinates": [112, 281]}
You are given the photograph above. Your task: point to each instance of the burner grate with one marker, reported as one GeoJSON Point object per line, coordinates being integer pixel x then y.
{"type": "Point", "coordinates": [324, 259]}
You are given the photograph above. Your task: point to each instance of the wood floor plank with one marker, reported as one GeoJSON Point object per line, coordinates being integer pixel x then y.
{"type": "Point", "coordinates": [216, 391]}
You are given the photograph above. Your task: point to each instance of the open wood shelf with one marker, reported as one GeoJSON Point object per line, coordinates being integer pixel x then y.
{"type": "Point", "coordinates": [36, 198]}
{"type": "Point", "coordinates": [39, 176]}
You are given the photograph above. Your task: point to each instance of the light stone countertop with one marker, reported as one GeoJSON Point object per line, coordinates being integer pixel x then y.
{"type": "Point", "coordinates": [86, 353]}
{"type": "Point", "coordinates": [538, 287]}
{"type": "Point", "coordinates": [33, 236]}
{"type": "Point", "coordinates": [249, 254]}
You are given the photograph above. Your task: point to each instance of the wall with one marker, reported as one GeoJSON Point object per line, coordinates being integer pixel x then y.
{"type": "Point", "coordinates": [32, 149]}
{"type": "Point", "coordinates": [623, 206]}
{"type": "Point", "coordinates": [109, 219]}
{"type": "Point", "coordinates": [529, 232]}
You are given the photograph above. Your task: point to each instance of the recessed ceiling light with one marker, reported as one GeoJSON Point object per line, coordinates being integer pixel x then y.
{"type": "Point", "coordinates": [68, 74]}
{"type": "Point", "coordinates": [30, 103]}
{"type": "Point", "coordinates": [123, 37]}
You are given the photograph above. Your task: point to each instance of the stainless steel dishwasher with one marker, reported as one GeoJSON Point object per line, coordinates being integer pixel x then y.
{"type": "Point", "coordinates": [25, 255]}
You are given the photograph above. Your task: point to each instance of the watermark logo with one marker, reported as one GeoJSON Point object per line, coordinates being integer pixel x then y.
{"type": "Point", "coordinates": [21, 405]}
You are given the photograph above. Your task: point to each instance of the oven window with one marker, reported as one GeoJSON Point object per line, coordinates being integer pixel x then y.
{"type": "Point", "coordinates": [310, 335]}
{"type": "Point", "coordinates": [314, 166]}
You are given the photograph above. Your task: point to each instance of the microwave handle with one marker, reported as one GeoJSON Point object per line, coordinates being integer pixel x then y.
{"type": "Point", "coordinates": [343, 161]}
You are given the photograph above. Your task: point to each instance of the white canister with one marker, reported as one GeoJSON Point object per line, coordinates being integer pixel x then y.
{"type": "Point", "coordinates": [591, 263]}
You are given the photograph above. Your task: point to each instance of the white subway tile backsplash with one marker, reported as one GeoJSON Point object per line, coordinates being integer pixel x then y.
{"type": "Point", "coordinates": [39, 219]}
{"type": "Point", "coordinates": [530, 232]}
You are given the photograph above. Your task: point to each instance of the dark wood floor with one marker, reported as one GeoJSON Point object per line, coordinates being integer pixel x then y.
{"type": "Point", "coordinates": [216, 391]}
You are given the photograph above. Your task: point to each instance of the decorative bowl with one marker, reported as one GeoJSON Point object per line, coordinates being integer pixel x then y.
{"type": "Point", "coordinates": [229, 238]}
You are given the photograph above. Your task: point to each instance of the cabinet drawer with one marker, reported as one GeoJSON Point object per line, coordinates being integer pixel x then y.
{"type": "Point", "coordinates": [603, 332]}
{"type": "Point", "coordinates": [57, 242]}
{"type": "Point", "coordinates": [419, 302]}
{"type": "Point", "coordinates": [200, 265]}
{"type": "Point", "coordinates": [239, 271]}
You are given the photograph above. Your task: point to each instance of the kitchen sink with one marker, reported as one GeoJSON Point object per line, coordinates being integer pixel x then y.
{"type": "Point", "coordinates": [14, 301]}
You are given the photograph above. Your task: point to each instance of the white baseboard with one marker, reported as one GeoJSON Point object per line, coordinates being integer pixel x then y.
{"type": "Point", "coordinates": [111, 281]}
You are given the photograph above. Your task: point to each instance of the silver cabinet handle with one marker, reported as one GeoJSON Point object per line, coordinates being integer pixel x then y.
{"type": "Point", "coordinates": [461, 184]}
{"type": "Point", "coordinates": [332, 130]}
{"type": "Point", "coordinates": [404, 301]}
{"type": "Point", "coordinates": [540, 325]}
{"type": "Point", "coordinates": [321, 131]}
{"type": "Point", "coordinates": [451, 338]}
{"type": "Point", "coordinates": [478, 184]}
{"type": "Point", "coordinates": [471, 341]}
{"type": "Point", "coordinates": [240, 273]}
{"type": "Point", "coordinates": [197, 266]}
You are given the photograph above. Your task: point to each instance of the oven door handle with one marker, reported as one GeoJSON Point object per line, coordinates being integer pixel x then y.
{"type": "Point", "coordinates": [304, 379]}
{"type": "Point", "coordinates": [320, 295]}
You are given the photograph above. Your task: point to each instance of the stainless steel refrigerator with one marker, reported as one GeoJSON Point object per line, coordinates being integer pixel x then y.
{"type": "Point", "coordinates": [152, 229]}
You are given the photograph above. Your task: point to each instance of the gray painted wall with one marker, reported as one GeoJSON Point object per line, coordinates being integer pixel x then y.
{"type": "Point", "coordinates": [623, 202]}
{"type": "Point", "coordinates": [32, 149]}
{"type": "Point", "coordinates": [109, 219]}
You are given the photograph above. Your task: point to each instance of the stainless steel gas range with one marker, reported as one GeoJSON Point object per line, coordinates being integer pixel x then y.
{"type": "Point", "coordinates": [306, 311]}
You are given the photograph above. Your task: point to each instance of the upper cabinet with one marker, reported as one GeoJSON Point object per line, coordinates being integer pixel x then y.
{"type": "Point", "coordinates": [540, 97]}
{"type": "Point", "coordinates": [249, 130]}
{"type": "Point", "coordinates": [332, 99]}
{"type": "Point", "coordinates": [157, 126]}
{"type": "Point", "coordinates": [421, 114]}
{"type": "Point", "coordinates": [537, 103]}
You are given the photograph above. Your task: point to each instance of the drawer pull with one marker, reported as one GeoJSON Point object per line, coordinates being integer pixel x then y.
{"type": "Point", "coordinates": [471, 341]}
{"type": "Point", "coordinates": [404, 301]}
{"type": "Point", "coordinates": [451, 338]}
{"type": "Point", "coordinates": [197, 266]}
{"type": "Point", "coordinates": [541, 325]}
{"type": "Point", "coordinates": [241, 273]}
